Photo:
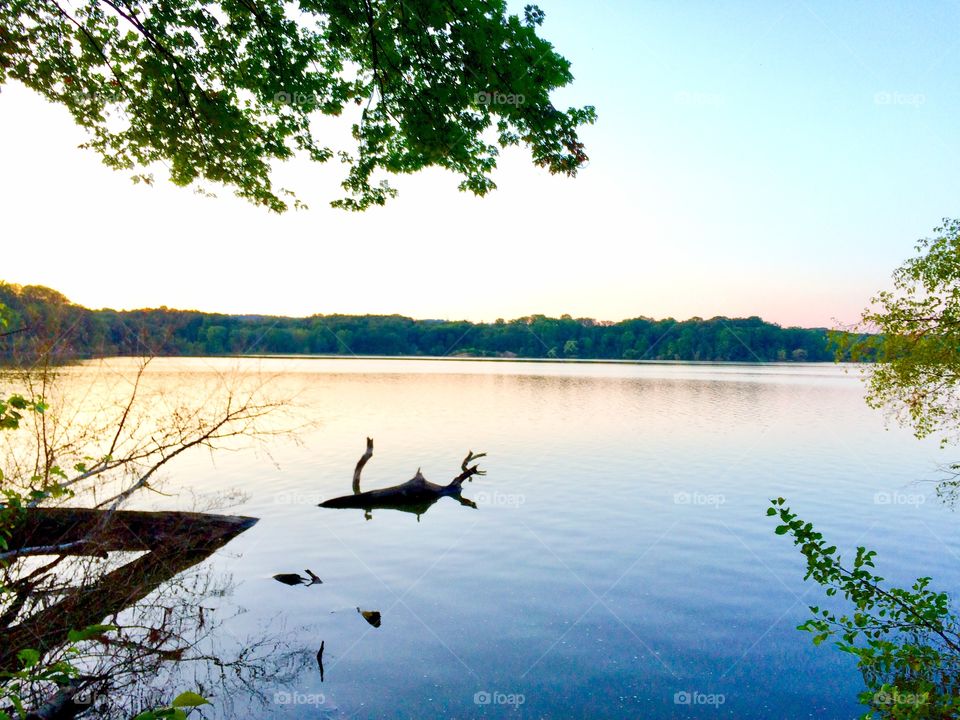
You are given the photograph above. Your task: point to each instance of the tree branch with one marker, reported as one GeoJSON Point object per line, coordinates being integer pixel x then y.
{"type": "Point", "coordinates": [42, 550]}
{"type": "Point", "coordinates": [14, 332]}
{"type": "Point", "coordinates": [375, 59]}
{"type": "Point", "coordinates": [360, 463]}
{"type": "Point", "coordinates": [468, 472]}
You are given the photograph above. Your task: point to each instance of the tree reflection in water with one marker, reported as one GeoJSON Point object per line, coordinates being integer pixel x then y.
{"type": "Point", "coordinates": [153, 612]}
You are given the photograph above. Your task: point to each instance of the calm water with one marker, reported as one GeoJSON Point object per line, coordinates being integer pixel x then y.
{"type": "Point", "coordinates": [619, 554]}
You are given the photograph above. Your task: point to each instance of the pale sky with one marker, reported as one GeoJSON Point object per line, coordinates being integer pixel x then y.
{"type": "Point", "coordinates": [771, 158]}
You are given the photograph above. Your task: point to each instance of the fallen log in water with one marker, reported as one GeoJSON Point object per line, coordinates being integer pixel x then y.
{"type": "Point", "coordinates": [415, 495]}
{"type": "Point", "coordinates": [175, 541]}
{"type": "Point", "coordinates": [85, 531]}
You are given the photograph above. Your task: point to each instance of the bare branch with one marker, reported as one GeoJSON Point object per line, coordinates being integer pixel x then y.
{"type": "Point", "coordinates": [360, 463]}
{"type": "Point", "coordinates": [7, 333]}
{"type": "Point", "coordinates": [468, 472]}
{"type": "Point", "coordinates": [44, 550]}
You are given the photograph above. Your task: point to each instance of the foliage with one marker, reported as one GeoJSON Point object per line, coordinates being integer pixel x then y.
{"type": "Point", "coordinates": [127, 457]}
{"type": "Point", "coordinates": [12, 506]}
{"type": "Point", "coordinates": [906, 640]}
{"type": "Point", "coordinates": [11, 410]}
{"type": "Point", "coordinates": [82, 332]}
{"type": "Point", "coordinates": [917, 338]}
{"type": "Point", "coordinates": [220, 89]}
{"type": "Point", "coordinates": [33, 670]}
{"type": "Point", "coordinates": [11, 510]}
{"type": "Point", "coordinates": [11, 413]}
{"type": "Point", "coordinates": [37, 670]}
{"type": "Point", "coordinates": [176, 710]}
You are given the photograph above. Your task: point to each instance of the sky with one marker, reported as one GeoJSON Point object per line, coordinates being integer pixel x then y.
{"type": "Point", "coordinates": [775, 158]}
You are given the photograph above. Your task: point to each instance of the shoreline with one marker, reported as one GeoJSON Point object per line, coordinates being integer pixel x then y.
{"type": "Point", "coordinates": [461, 358]}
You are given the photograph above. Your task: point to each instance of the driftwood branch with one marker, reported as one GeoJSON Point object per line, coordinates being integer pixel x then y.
{"type": "Point", "coordinates": [416, 495]}
{"type": "Point", "coordinates": [360, 463]}
{"type": "Point", "coordinates": [469, 472]}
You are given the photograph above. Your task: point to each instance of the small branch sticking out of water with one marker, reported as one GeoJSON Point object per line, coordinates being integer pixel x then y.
{"type": "Point", "coordinates": [360, 463]}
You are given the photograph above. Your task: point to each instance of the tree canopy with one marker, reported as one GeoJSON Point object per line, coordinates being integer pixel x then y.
{"type": "Point", "coordinates": [217, 90]}
{"type": "Point", "coordinates": [915, 335]}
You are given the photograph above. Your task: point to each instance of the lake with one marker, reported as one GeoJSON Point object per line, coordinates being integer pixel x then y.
{"type": "Point", "coordinates": [619, 563]}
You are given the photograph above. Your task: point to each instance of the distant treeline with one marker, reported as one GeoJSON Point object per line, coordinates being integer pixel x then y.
{"type": "Point", "coordinates": [42, 319]}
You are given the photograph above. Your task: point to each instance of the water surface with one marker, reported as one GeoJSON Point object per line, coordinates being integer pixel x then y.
{"type": "Point", "coordinates": [619, 562]}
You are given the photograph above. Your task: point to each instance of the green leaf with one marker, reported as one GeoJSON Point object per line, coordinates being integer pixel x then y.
{"type": "Point", "coordinates": [91, 631]}
{"type": "Point", "coordinates": [29, 657]}
{"type": "Point", "coordinates": [189, 699]}
{"type": "Point", "coordinates": [18, 704]}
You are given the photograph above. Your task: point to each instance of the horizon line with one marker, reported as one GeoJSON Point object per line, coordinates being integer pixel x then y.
{"type": "Point", "coordinates": [18, 289]}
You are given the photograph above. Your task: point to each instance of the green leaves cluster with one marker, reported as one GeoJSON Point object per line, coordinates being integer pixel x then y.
{"type": "Point", "coordinates": [33, 670]}
{"type": "Point", "coordinates": [915, 338]}
{"type": "Point", "coordinates": [62, 673]}
{"type": "Point", "coordinates": [906, 640]}
{"type": "Point", "coordinates": [220, 89]}
{"type": "Point", "coordinates": [12, 409]}
{"type": "Point", "coordinates": [178, 708]}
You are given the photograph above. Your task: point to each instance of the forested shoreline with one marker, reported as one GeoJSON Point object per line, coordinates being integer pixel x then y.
{"type": "Point", "coordinates": [42, 316]}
